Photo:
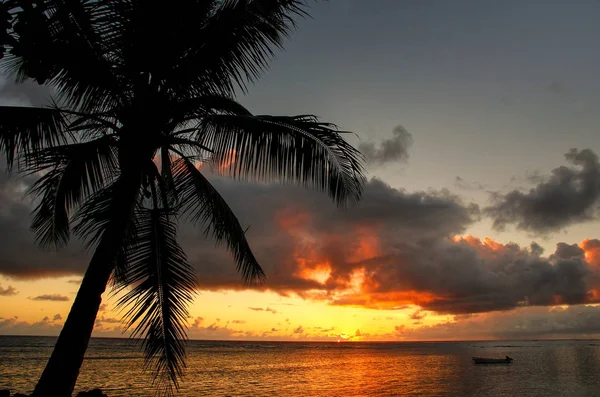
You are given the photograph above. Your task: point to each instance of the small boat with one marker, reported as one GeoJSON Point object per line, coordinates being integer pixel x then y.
{"type": "Point", "coordinates": [482, 360]}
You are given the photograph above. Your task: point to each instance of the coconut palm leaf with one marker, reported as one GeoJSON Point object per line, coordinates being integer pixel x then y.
{"type": "Point", "coordinates": [77, 171]}
{"type": "Point", "coordinates": [156, 307]}
{"type": "Point", "coordinates": [235, 44]}
{"type": "Point", "coordinates": [198, 107]}
{"type": "Point", "coordinates": [24, 129]}
{"type": "Point", "coordinates": [48, 35]}
{"type": "Point", "coordinates": [297, 149]}
{"type": "Point", "coordinates": [136, 79]}
{"type": "Point", "coordinates": [50, 221]}
{"type": "Point", "coordinates": [205, 205]}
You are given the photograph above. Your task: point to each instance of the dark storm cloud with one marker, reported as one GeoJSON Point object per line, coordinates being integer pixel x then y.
{"type": "Point", "coordinates": [402, 242]}
{"type": "Point", "coordinates": [474, 276]}
{"type": "Point", "coordinates": [50, 297]}
{"type": "Point", "coordinates": [569, 196]}
{"type": "Point", "coordinates": [275, 214]}
{"type": "Point", "coordinates": [19, 256]}
{"type": "Point", "coordinates": [24, 94]}
{"type": "Point", "coordinates": [414, 260]}
{"type": "Point", "coordinates": [394, 149]}
{"type": "Point", "coordinates": [399, 240]}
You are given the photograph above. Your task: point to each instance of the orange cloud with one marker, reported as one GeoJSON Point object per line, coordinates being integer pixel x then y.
{"type": "Point", "coordinates": [387, 301]}
{"type": "Point", "coordinates": [315, 251]}
{"type": "Point", "coordinates": [591, 247]}
{"type": "Point", "coordinates": [486, 246]}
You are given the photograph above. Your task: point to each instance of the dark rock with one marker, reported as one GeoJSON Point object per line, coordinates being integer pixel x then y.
{"type": "Point", "coordinates": [20, 395]}
{"type": "Point", "coordinates": [4, 393]}
{"type": "Point", "coordinates": [91, 393]}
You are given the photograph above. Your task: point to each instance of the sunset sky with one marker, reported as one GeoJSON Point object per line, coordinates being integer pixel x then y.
{"type": "Point", "coordinates": [480, 219]}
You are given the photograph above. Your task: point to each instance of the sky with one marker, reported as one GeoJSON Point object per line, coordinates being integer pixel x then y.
{"type": "Point", "coordinates": [480, 216]}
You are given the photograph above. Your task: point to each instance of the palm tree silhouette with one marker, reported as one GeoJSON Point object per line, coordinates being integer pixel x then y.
{"type": "Point", "coordinates": [144, 91]}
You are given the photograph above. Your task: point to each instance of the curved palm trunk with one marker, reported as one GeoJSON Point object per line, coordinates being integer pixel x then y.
{"type": "Point", "coordinates": [60, 375]}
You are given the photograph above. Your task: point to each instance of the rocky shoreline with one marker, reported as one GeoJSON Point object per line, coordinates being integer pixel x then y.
{"type": "Point", "coordinates": [90, 393]}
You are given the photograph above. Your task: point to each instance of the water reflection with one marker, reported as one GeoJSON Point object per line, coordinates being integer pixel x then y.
{"type": "Point", "coordinates": [569, 368]}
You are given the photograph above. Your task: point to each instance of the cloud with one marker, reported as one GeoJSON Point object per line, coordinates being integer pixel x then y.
{"type": "Point", "coordinates": [101, 323]}
{"type": "Point", "coordinates": [260, 309]}
{"type": "Point", "coordinates": [50, 297]}
{"type": "Point", "coordinates": [579, 321]}
{"type": "Point", "coordinates": [24, 94]}
{"type": "Point", "coordinates": [417, 315]}
{"type": "Point", "coordinates": [198, 321]}
{"type": "Point", "coordinates": [20, 258]}
{"type": "Point", "coordinates": [464, 185]}
{"type": "Point", "coordinates": [394, 149]}
{"type": "Point", "coordinates": [14, 326]}
{"type": "Point", "coordinates": [299, 330]}
{"type": "Point", "coordinates": [392, 250]}
{"type": "Point", "coordinates": [238, 322]}
{"type": "Point", "coordinates": [9, 291]}
{"type": "Point", "coordinates": [57, 317]}
{"type": "Point", "coordinates": [469, 275]}
{"type": "Point", "coordinates": [216, 332]}
{"type": "Point", "coordinates": [570, 195]}
{"type": "Point", "coordinates": [287, 222]}
{"type": "Point", "coordinates": [263, 208]}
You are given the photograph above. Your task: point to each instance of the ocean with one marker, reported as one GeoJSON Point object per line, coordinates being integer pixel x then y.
{"type": "Point", "coordinates": [297, 369]}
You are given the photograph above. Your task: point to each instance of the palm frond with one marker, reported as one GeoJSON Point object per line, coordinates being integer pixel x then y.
{"type": "Point", "coordinates": [235, 44]}
{"type": "Point", "coordinates": [194, 108]}
{"type": "Point", "coordinates": [50, 222]}
{"type": "Point", "coordinates": [92, 220]}
{"type": "Point", "coordinates": [297, 149]}
{"type": "Point", "coordinates": [163, 285]}
{"type": "Point", "coordinates": [77, 171]}
{"type": "Point", "coordinates": [203, 202]}
{"type": "Point", "coordinates": [26, 129]}
{"type": "Point", "coordinates": [161, 187]}
{"type": "Point", "coordinates": [72, 45]}
{"type": "Point", "coordinates": [92, 125]}
{"type": "Point", "coordinates": [94, 214]}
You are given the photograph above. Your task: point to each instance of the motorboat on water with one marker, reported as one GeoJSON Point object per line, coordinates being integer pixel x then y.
{"type": "Point", "coordinates": [483, 360]}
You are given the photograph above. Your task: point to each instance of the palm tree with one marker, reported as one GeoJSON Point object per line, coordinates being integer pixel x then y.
{"type": "Point", "coordinates": [144, 91]}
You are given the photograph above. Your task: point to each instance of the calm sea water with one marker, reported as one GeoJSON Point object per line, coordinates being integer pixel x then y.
{"type": "Point", "coordinates": [541, 368]}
